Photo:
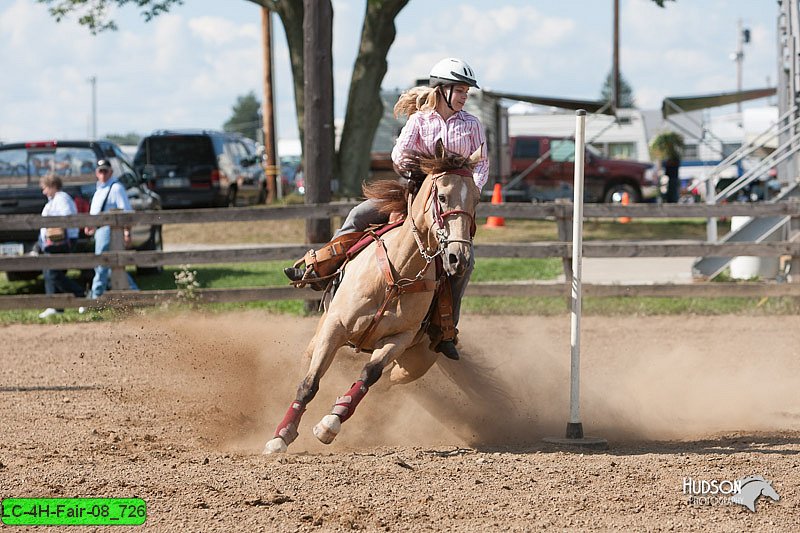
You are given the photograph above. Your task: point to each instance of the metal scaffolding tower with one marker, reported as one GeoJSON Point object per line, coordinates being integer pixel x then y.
{"type": "Point", "coordinates": [788, 85]}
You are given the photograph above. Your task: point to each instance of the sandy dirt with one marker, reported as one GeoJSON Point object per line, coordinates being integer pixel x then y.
{"type": "Point", "coordinates": [176, 410]}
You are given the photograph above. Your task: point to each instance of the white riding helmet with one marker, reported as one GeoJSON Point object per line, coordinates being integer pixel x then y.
{"type": "Point", "coordinates": [452, 70]}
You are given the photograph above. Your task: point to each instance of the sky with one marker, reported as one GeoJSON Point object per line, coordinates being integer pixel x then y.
{"type": "Point", "coordinates": [186, 68]}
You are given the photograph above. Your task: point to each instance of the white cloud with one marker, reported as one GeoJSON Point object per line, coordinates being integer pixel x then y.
{"type": "Point", "coordinates": [220, 31]}
{"type": "Point", "coordinates": [186, 68]}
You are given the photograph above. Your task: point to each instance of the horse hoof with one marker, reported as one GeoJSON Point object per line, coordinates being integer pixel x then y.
{"type": "Point", "coordinates": [276, 445]}
{"type": "Point", "coordinates": [328, 428]}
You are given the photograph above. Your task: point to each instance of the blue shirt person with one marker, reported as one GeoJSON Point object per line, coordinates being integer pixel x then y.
{"type": "Point", "coordinates": [110, 195]}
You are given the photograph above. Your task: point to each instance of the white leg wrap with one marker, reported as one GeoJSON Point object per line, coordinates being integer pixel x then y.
{"type": "Point", "coordinates": [328, 428]}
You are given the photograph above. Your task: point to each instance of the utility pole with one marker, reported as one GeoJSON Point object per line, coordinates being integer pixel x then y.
{"type": "Point", "coordinates": [615, 68]}
{"type": "Point", "coordinates": [743, 37]}
{"type": "Point", "coordinates": [93, 81]}
{"type": "Point", "coordinates": [267, 108]}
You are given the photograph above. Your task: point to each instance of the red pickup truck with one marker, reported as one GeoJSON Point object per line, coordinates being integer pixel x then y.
{"type": "Point", "coordinates": [542, 169]}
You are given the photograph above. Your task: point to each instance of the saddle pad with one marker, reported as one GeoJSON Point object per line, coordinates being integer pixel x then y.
{"type": "Point", "coordinates": [367, 238]}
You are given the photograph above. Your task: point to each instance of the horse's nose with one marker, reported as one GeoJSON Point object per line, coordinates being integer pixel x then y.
{"type": "Point", "coordinates": [453, 258]}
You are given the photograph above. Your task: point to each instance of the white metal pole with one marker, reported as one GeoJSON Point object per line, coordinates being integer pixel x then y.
{"type": "Point", "coordinates": [739, 60]}
{"type": "Point", "coordinates": [574, 429]}
{"type": "Point", "coordinates": [93, 81]}
{"type": "Point", "coordinates": [711, 199]}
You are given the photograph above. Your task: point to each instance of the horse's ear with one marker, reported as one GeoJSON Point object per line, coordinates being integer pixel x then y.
{"type": "Point", "coordinates": [439, 149]}
{"type": "Point", "coordinates": [477, 155]}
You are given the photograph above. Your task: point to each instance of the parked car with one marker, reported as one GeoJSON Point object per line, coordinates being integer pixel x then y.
{"type": "Point", "coordinates": [290, 166]}
{"type": "Point", "coordinates": [200, 168]}
{"type": "Point", "coordinates": [21, 166]}
{"type": "Point", "coordinates": [543, 168]}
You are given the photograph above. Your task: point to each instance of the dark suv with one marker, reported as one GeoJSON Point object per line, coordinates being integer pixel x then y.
{"type": "Point", "coordinates": [200, 168]}
{"type": "Point", "coordinates": [21, 166]}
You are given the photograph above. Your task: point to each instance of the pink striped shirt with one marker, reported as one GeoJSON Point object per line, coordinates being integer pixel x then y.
{"type": "Point", "coordinates": [462, 133]}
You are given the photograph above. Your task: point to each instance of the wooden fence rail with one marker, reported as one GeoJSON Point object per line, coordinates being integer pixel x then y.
{"type": "Point", "coordinates": [512, 210]}
{"type": "Point", "coordinates": [561, 212]}
{"type": "Point", "coordinates": [293, 251]}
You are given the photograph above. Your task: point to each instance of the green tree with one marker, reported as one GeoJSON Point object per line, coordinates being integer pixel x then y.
{"type": "Point", "coordinates": [626, 98]}
{"type": "Point", "coordinates": [364, 106]}
{"type": "Point", "coordinates": [130, 138]}
{"type": "Point", "coordinates": [667, 146]}
{"type": "Point", "coordinates": [246, 117]}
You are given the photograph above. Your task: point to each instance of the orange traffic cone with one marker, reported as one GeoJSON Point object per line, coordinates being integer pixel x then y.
{"type": "Point", "coordinates": [497, 198]}
{"type": "Point", "coordinates": [625, 201]}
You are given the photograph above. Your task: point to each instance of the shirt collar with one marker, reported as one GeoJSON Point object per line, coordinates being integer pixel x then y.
{"type": "Point", "coordinates": [109, 183]}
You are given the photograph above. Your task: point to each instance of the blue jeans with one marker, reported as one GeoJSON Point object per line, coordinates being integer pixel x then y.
{"type": "Point", "coordinates": [56, 281]}
{"type": "Point", "coordinates": [361, 217]}
{"type": "Point", "coordinates": [102, 243]}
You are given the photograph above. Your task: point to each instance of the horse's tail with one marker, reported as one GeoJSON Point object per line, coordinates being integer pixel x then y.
{"type": "Point", "coordinates": [390, 195]}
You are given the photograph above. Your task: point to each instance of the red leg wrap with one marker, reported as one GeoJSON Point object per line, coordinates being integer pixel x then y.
{"type": "Point", "coordinates": [287, 429]}
{"type": "Point", "coordinates": [346, 405]}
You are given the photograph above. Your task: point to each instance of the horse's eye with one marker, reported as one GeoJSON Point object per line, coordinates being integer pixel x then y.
{"type": "Point", "coordinates": [442, 198]}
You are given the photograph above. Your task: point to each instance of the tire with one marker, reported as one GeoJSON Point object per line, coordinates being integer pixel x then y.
{"type": "Point", "coordinates": [613, 194]}
{"type": "Point", "coordinates": [158, 246]}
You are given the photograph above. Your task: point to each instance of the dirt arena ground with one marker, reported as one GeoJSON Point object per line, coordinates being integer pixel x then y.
{"type": "Point", "coordinates": [176, 410]}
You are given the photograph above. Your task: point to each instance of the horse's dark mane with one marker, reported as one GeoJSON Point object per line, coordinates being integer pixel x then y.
{"type": "Point", "coordinates": [391, 195]}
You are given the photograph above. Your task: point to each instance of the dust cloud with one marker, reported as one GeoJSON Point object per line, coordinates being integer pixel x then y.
{"type": "Point", "coordinates": [643, 378]}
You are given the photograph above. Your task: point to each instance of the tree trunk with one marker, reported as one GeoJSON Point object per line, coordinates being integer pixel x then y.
{"type": "Point", "coordinates": [364, 105]}
{"type": "Point", "coordinates": [318, 142]}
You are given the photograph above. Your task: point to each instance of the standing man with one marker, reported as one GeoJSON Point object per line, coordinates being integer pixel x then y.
{"type": "Point", "coordinates": [57, 240]}
{"type": "Point", "coordinates": [110, 195]}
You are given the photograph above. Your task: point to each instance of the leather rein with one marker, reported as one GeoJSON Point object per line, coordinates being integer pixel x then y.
{"type": "Point", "coordinates": [397, 287]}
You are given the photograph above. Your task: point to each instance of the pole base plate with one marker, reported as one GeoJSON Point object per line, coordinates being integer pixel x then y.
{"type": "Point", "coordinates": [587, 443]}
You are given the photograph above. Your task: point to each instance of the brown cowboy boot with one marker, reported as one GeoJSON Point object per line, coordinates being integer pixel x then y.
{"type": "Point", "coordinates": [302, 276]}
{"type": "Point", "coordinates": [319, 266]}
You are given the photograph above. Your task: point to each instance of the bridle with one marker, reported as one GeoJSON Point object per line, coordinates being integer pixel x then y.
{"type": "Point", "coordinates": [396, 287]}
{"type": "Point", "coordinates": [439, 216]}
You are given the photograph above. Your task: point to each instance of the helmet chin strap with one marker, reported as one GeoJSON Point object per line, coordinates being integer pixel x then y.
{"type": "Point", "coordinates": [447, 98]}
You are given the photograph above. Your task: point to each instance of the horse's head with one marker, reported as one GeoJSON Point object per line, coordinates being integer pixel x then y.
{"type": "Point", "coordinates": [752, 487]}
{"type": "Point", "coordinates": [450, 197]}
{"type": "Point", "coordinates": [769, 491]}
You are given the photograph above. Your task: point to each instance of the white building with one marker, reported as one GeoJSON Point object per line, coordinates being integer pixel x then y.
{"type": "Point", "coordinates": [622, 138]}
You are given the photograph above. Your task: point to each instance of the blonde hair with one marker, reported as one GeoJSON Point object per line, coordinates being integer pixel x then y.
{"type": "Point", "coordinates": [416, 99]}
{"type": "Point", "coordinates": [51, 180]}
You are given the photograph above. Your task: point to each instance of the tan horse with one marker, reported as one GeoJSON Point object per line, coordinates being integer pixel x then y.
{"type": "Point", "coordinates": [441, 221]}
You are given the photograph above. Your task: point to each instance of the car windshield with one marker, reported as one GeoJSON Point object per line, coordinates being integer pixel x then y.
{"type": "Point", "coordinates": [22, 167]}
{"type": "Point", "coordinates": [172, 150]}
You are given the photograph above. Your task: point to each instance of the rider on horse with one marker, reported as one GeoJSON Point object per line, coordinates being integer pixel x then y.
{"type": "Point", "coordinates": [435, 113]}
